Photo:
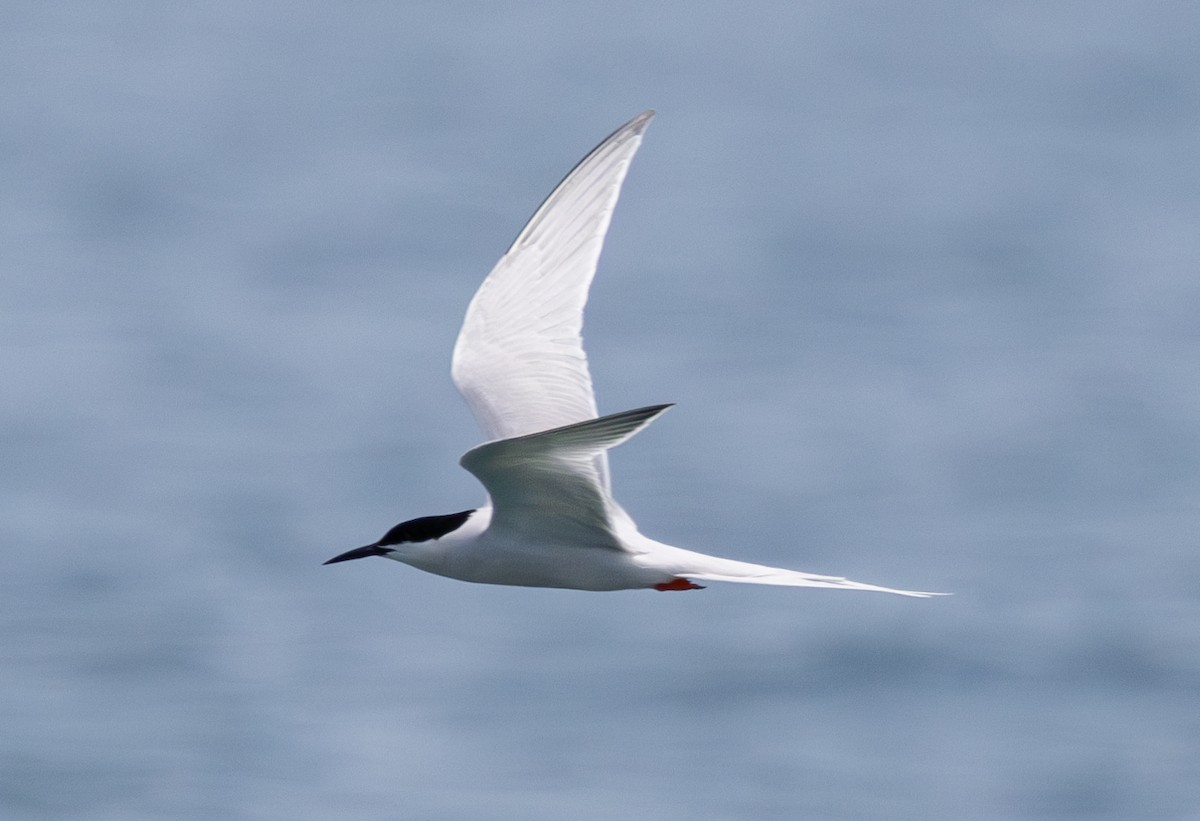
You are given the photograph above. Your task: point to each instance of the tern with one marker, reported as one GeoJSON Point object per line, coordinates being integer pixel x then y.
{"type": "Point", "coordinates": [550, 519]}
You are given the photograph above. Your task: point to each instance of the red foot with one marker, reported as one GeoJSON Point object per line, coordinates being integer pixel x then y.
{"type": "Point", "coordinates": [678, 584]}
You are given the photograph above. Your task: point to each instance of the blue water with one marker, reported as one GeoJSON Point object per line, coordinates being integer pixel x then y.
{"type": "Point", "coordinates": [922, 279]}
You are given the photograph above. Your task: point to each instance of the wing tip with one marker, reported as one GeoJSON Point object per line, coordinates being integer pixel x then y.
{"type": "Point", "coordinates": [642, 120]}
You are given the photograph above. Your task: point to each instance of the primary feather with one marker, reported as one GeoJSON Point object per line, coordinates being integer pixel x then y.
{"type": "Point", "coordinates": [519, 359]}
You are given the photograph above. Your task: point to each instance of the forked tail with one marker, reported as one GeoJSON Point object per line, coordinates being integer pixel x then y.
{"type": "Point", "coordinates": [702, 567]}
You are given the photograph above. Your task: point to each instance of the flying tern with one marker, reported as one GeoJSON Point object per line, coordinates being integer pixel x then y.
{"type": "Point", "coordinates": [550, 519]}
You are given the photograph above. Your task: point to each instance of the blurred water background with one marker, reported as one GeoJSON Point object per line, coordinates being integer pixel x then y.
{"type": "Point", "coordinates": [922, 279]}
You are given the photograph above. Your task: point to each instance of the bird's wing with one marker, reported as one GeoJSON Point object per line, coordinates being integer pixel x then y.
{"type": "Point", "coordinates": [545, 487]}
{"type": "Point", "coordinates": [519, 359]}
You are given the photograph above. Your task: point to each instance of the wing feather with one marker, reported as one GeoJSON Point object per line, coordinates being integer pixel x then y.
{"type": "Point", "coordinates": [519, 359]}
{"type": "Point", "coordinates": [546, 487]}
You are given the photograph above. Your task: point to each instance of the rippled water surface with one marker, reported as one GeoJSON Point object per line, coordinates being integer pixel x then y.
{"type": "Point", "coordinates": [921, 279]}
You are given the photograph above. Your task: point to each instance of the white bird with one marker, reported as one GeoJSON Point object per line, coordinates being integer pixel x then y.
{"type": "Point", "coordinates": [550, 519]}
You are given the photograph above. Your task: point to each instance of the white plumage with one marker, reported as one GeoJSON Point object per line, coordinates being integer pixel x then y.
{"type": "Point", "coordinates": [550, 519]}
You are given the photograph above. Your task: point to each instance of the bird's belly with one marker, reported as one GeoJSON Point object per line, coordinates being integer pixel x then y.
{"type": "Point", "coordinates": [573, 567]}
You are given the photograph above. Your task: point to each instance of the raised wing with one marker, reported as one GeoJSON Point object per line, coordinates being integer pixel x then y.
{"type": "Point", "coordinates": [519, 359]}
{"type": "Point", "coordinates": [546, 487]}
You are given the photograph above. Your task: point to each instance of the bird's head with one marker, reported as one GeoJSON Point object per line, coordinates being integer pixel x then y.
{"type": "Point", "coordinates": [412, 532]}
